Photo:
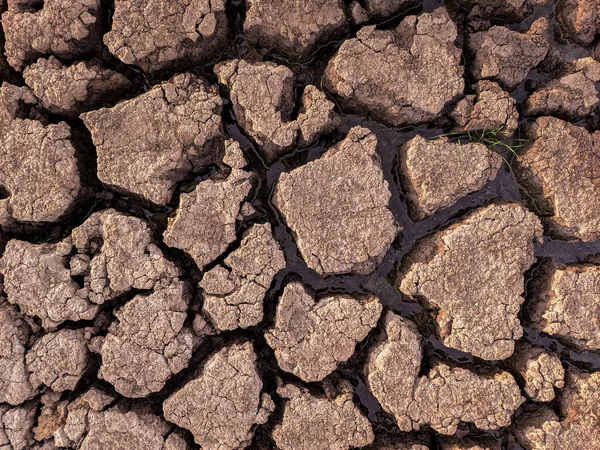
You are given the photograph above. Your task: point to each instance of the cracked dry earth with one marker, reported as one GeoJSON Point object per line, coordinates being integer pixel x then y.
{"type": "Point", "coordinates": [300, 225]}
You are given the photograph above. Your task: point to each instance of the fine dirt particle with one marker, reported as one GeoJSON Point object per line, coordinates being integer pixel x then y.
{"type": "Point", "coordinates": [38, 164]}
{"type": "Point", "coordinates": [149, 343]}
{"type": "Point", "coordinates": [441, 399]}
{"type": "Point", "coordinates": [507, 56]}
{"type": "Point", "coordinates": [311, 338]}
{"type": "Point", "coordinates": [59, 360]}
{"type": "Point", "coordinates": [564, 303]}
{"type": "Point", "coordinates": [149, 143]}
{"type": "Point", "coordinates": [337, 207]}
{"type": "Point", "coordinates": [572, 96]}
{"type": "Point", "coordinates": [400, 77]}
{"type": "Point", "coordinates": [294, 28]}
{"type": "Point", "coordinates": [71, 90]}
{"type": "Point", "coordinates": [471, 276]}
{"type": "Point", "coordinates": [234, 291]}
{"type": "Point", "coordinates": [436, 173]}
{"type": "Point", "coordinates": [161, 35]}
{"type": "Point", "coordinates": [67, 29]}
{"type": "Point", "coordinates": [262, 94]}
{"type": "Point", "coordinates": [206, 220]}
{"type": "Point", "coordinates": [224, 403]}
{"type": "Point", "coordinates": [560, 171]}
{"type": "Point", "coordinates": [334, 424]}
{"type": "Point", "coordinates": [542, 371]}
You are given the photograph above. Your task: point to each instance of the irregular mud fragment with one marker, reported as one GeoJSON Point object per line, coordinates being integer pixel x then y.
{"type": "Point", "coordinates": [572, 96]}
{"type": "Point", "coordinates": [579, 20]}
{"type": "Point", "coordinates": [65, 28]}
{"type": "Point", "coordinates": [149, 342]}
{"type": "Point", "coordinates": [15, 387]}
{"type": "Point", "coordinates": [159, 35]}
{"type": "Point", "coordinates": [542, 371]}
{"type": "Point", "coordinates": [491, 108]}
{"type": "Point", "coordinates": [116, 253]}
{"type": "Point", "coordinates": [39, 176]}
{"type": "Point", "coordinates": [560, 171]}
{"type": "Point", "coordinates": [441, 399]}
{"type": "Point", "coordinates": [507, 56]}
{"type": "Point", "coordinates": [318, 423]}
{"type": "Point", "coordinates": [311, 337]}
{"type": "Point", "coordinates": [293, 28]}
{"type": "Point", "coordinates": [15, 426]}
{"type": "Point", "coordinates": [400, 77]}
{"type": "Point", "coordinates": [383, 9]}
{"type": "Point", "coordinates": [38, 279]}
{"type": "Point", "coordinates": [73, 428]}
{"type": "Point", "coordinates": [224, 403]}
{"type": "Point", "coordinates": [235, 290]}
{"type": "Point", "coordinates": [400, 442]}
{"type": "Point", "coordinates": [71, 90]}
{"type": "Point", "coordinates": [59, 360]}
{"type": "Point", "coordinates": [471, 275]}
{"type": "Point", "coordinates": [124, 426]}
{"type": "Point", "coordinates": [436, 173]}
{"type": "Point", "coordinates": [564, 303]}
{"type": "Point", "coordinates": [469, 444]}
{"type": "Point", "coordinates": [262, 94]}
{"type": "Point", "coordinates": [509, 10]}
{"type": "Point", "coordinates": [149, 143]}
{"type": "Point", "coordinates": [578, 427]}
{"type": "Point", "coordinates": [206, 220]}
{"type": "Point", "coordinates": [337, 207]}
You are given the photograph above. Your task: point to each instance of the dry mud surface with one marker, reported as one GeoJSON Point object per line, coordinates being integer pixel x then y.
{"type": "Point", "coordinates": [300, 225]}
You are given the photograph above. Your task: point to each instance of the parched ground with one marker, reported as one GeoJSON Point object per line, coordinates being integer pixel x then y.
{"type": "Point", "coordinates": [300, 225]}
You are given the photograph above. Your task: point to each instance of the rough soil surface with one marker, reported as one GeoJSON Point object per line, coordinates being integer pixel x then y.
{"type": "Point", "coordinates": [335, 424]}
{"type": "Point", "coordinates": [560, 171]}
{"type": "Point", "coordinates": [164, 34]}
{"type": "Point", "coordinates": [67, 29]}
{"type": "Point", "coordinates": [565, 303]}
{"type": "Point", "coordinates": [436, 173]}
{"type": "Point", "coordinates": [149, 342]}
{"type": "Point", "coordinates": [403, 76]}
{"type": "Point", "coordinates": [225, 402]}
{"type": "Point", "coordinates": [71, 90]}
{"type": "Point", "coordinates": [541, 371]}
{"type": "Point", "coordinates": [507, 56]}
{"type": "Point", "coordinates": [299, 225]}
{"type": "Point", "coordinates": [262, 94]}
{"type": "Point", "coordinates": [293, 28]}
{"type": "Point", "coordinates": [234, 291]}
{"type": "Point", "coordinates": [310, 338]}
{"type": "Point", "coordinates": [205, 223]}
{"type": "Point", "coordinates": [471, 276]}
{"type": "Point", "coordinates": [337, 207]}
{"type": "Point", "coordinates": [149, 143]}
{"type": "Point", "coordinates": [441, 399]}
{"type": "Point", "coordinates": [39, 175]}
{"type": "Point", "coordinates": [490, 108]}
{"type": "Point", "coordinates": [573, 96]}
{"type": "Point", "coordinates": [577, 426]}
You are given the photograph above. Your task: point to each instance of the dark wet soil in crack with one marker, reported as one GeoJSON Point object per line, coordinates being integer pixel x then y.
{"type": "Point", "coordinates": [382, 283]}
